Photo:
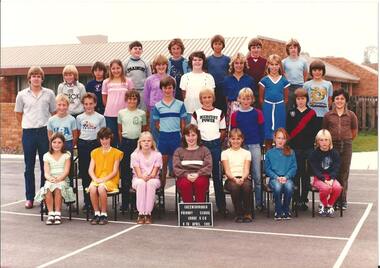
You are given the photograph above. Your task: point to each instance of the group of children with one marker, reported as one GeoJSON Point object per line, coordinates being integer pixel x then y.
{"type": "Point", "coordinates": [134, 125]}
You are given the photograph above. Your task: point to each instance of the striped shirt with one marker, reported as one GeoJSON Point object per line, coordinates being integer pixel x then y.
{"type": "Point", "coordinates": [169, 115]}
{"type": "Point", "coordinates": [192, 161]}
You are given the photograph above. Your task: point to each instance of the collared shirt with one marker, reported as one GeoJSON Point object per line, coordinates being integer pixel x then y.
{"type": "Point", "coordinates": [340, 127]}
{"type": "Point", "coordinates": [36, 109]}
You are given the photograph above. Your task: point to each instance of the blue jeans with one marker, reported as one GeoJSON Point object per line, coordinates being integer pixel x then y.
{"type": "Point", "coordinates": [34, 140]}
{"type": "Point", "coordinates": [153, 129]}
{"type": "Point", "coordinates": [127, 146]}
{"type": "Point", "coordinates": [111, 123]}
{"type": "Point", "coordinates": [255, 151]}
{"type": "Point", "coordinates": [215, 148]}
{"type": "Point", "coordinates": [279, 189]}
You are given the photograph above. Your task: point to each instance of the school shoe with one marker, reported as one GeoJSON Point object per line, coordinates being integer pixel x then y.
{"type": "Point", "coordinates": [50, 220]}
{"type": "Point", "coordinates": [103, 220]}
{"type": "Point", "coordinates": [57, 219]}
{"type": "Point", "coordinates": [287, 216]}
{"type": "Point", "coordinates": [239, 219]}
{"type": "Point", "coordinates": [148, 219]}
{"type": "Point", "coordinates": [247, 217]}
{"type": "Point", "coordinates": [29, 204]}
{"type": "Point", "coordinates": [329, 211]}
{"type": "Point", "coordinates": [321, 210]}
{"type": "Point", "coordinates": [95, 220]}
{"type": "Point", "coordinates": [141, 219]}
{"type": "Point", "coordinates": [344, 206]}
{"type": "Point", "coordinates": [277, 217]}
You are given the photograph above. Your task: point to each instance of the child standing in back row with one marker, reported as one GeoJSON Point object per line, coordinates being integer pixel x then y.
{"type": "Point", "coordinates": [73, 89]}
{"type": "Point", "coordinates": [273, 95]}
{"type": "Point", "coordinates": [99, 71]}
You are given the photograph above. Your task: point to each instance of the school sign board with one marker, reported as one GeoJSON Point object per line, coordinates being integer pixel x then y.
{"type": "Point", "coordinates": [195, 214]}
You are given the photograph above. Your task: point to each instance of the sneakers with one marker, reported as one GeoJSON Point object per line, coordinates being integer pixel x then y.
{"type": "Point", "coordinates": [148, 219]}
{"type": "Point", "coordinates": [95, 220]}
{"type": "Point", "coordinates": [287, 216]}
{"type": "Point", "coordinates": [329, 211]}
{"type": "Point", "coordinates": [239, 219]}
{"type": "Point", "coordinates": [277, 217]}
{"type": "Point", "coordinates": [141, 219]}
{"type": "Point", "coordinates": [247, 217]}
{"type": "Point", "coordinates": [103, 220]}
{"type": "Point", "coordinates": [321, 210]}
{"type": "Point", "coordinates": [344, 206]}
{"type": "Point", "coordinates": [29, 204]}
{"type": "Point", "coordinates": [50, 220]}
{"type": "Point", "coordinates": [57, 219]}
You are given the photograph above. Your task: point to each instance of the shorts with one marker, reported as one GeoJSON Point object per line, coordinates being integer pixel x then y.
{"type": "Point", "coordinates": [168, 142]}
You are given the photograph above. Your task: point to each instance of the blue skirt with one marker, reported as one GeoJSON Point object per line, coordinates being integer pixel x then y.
{"type": "Point", "coordinates": [278, 115]}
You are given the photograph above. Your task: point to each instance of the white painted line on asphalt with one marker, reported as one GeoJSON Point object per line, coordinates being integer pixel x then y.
{"type": "Point", "coordinates": [88, 246]}
{"type": "Point", "coordinates": [9, 204]}
{"type": "Point", "coordinates": [352, 238]}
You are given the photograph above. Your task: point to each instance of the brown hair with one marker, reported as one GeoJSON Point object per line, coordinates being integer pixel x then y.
{"type": "Point", "coordinates": [99, 66]}
{"type": "Point", "coordinates": [89, 95]}
{"type": "Point", "coordinates": [167, 81]}
{"type": "Point", "coordinates": [254, 42]}
{"type": "Point", "coordinates": [135, 44]}
{"type": "Point", "coordinates": [317, 65]}
{"type": "Point", "coordinates": [105, 132]}
{"type": "Point", "coordinates": [132, 93]}
{"type": "Point", "coordinates": [57, 135]}
{"type": "Point", "coordinates": [160, 59]}
{"type": "Point", "coordinates": [178, 42]}
{"type": "Point", "coordinates": [293, 42]}
{"type": "Point", "coordinates": [198, 54]}
{"type": "Point", "coordinates": [218, 38]}
{"type": "Point", "coordinates": [286, 151]}
{"type": "Point", "coordinates": [191, 128]}
{"type": "Point", "coordinates": [35, 70]}
{"type": "Point", "coordinates": [118, 62]}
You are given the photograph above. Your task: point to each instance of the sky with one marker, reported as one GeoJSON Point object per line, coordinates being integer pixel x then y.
{"type": "Point", "coordinates": [323, 28]}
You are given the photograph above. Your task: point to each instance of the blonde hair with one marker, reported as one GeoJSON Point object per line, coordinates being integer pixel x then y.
{"type": "Point", "coordinates": [323, 133]}
{"type": "Point", "coordinates": [62, 97]}
{"type": "Point", "coordinates": [206, 91]}
{"type": "Point", "coordinates": [35, 70]}
{"type": "Point", "coordinates": [238, 57]}
{"type": "Point", "coordinates": [71, 69]}
{"type": "Point", "coordinates": [160, 59]}
{"type": "Point", "coordinates": [246, 92]}
{"type": "Point", "coordinates": [143, 135]}
{"type": "Point", "coordinates": [237, 132]}
{"type": "Point", "coordinates": [274, 58]}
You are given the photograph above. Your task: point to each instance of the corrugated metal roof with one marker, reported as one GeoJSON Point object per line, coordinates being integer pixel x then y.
{"type": "Point", "coordinates": [87, 54]}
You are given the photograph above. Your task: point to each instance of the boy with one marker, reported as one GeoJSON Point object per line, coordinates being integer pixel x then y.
{"type": "Point", "coordinates": [73, 89]}
{"type": "Point", "coordinates": [88, 123]}
{"type": "Point", "coordinates": [319, 90]}
{"type": "Point", "coordinates": [178, 65]}
{"type": "Point", "coordinates": [295, 70]}
{"type": "Point", "coordinates": [169, 115]}
{"type": "Point", "coordinates": [130, 122]}
{"type": "Point", "coordinates": [34, 106]}
{"type": "Point", "coordinates": [211, 123]}
{"type": "Point", "coordinates": [137, 69]}
{"type": "Point", "coordinates": [217, 66]}
{"type": "Point", "coordinates": [251, 123]}
{"type": "Point", "coordinates": [99, 71]}
{"type": "Point", "coordinates": [256, 63]}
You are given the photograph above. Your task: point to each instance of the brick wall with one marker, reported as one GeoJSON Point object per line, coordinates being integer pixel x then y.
{"type": "Point", "coordinates": [368, 84]}
{"type": "Point", "coordinates": [7, 89]}
{"type": "Point", "coordinates": [272, 46]}
{"type": "Point", "coordinates": [10, 129]}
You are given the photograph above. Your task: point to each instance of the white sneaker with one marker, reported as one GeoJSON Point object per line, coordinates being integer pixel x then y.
{"type": "Point", "coordinates": [330, 212]}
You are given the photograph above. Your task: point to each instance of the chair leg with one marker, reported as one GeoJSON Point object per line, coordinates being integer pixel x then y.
{"type": "Point", "coordinates": [312, 204]}
{"type": "Point", "coordinates": [87, 212]}
{"type": "Point", "coordinates": [70, 211]}
{"type": "Point", "coordinates": [42, 210]}
{"type": "Point", "coordinates": [268, 204]}
{"type": "Point", "coordinates": [341, 204]}
{"type": "Point", "coordinates": [253, 205]}
{"type": "Point", "coordinates": [114, 206]}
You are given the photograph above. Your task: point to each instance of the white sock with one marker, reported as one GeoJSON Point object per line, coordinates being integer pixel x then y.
{"type": "Point", "coordinates": [58, 213]}
{"type": "Point", "coordinates": [97, 213]}
{"type": "Point", "coordinates": [103, 214]}
{"type": "Point", "coordinates": [51, 213]}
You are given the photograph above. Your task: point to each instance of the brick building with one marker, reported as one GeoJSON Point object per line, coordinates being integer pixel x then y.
{"type": "Point", "coordinates": [52, 58]}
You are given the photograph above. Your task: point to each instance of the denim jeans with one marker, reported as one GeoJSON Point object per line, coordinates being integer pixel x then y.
{"type": "Point", "coordinates": [215, 148]}
{"type": "Point", "coordinates": [255, 151]}
{"type": "Point", "coordinates": [279, 189]}
{"type": "Point", "coordinates": [302, 177]}
{"type": "Point", "coordinates": [34, 140]}
{"type": "Point", "coordinates": [127, 147]}
{"type": "Point", "coordinates": [111, 123]}
{"type": "Point", "coordinates": [153, 128]}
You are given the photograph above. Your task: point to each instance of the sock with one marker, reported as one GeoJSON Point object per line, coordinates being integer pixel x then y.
{"type": "Point", "coordinates": [51, 213]}
{"type": "Point", "coordinates": [103, 214]}
{"type": "Point", "coordinates": [58, 213]}
{"type": "Point", "coordinates": [97, 213]}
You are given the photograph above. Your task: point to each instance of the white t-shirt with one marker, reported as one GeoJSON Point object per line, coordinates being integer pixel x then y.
{"type": "Point", "coordinates": [209, 123]}
{"type": "Point", "coordinates": [236, 159]}
{"type": "Point", "coordinates": [193, 83]}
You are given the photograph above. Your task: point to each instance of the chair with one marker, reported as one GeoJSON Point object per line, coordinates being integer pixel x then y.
{"type": "Point", "coordinates": [316, 190]}
{"type": "Point", "coordinates": [178, 197]}
{"type": "Point", "coordinates": [160, 192]}
{"type": "Point", "coordinates": [223, 178]}
{"type": "Point", "coordinates": [115, 196]}
{"type": "Point", "coordinates": [75, 179]}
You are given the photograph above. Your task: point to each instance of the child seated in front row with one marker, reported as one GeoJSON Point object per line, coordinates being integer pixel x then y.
{"type": "Point", "coordinates": [146, 162]}
{"type": "Point", "coordinates": [281, 167]}
{"type": "Point", "coordinates": [236, 162]}
{"type": "Point", "coordinates": [104, 172]}
{"type": "Point", "coordinates": [324, 162]}
{"type": "Point", "coordinates": [56, 167]}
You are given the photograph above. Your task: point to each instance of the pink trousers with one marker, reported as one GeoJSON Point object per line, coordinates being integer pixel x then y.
{"type": "Point", "coordinates": [328, 194]}
{"type": "Point", "coordinates": [145, 194]}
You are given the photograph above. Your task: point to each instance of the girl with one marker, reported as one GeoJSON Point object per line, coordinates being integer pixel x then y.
{"type": "Point", "coordinates": [146, 162]}
{"type": "Point", "coordinates": [192, 166]}
{"type": "Point", "coordinates": [113, 92]}
{"type": "Point", "coordinates": [236, 162]}
{"type": "Point", "coordinates": [56, 168]}
{"type": "Point", "coordinates": [192, 83]}
{"type": "Point", "coordinates": [273, 93]}
{"type": "Point", "coordinates": [73, 89]}
{"type": "Point", "coordinates": [152, 90]}
{"type": "Point", "coordinates": [104, 172]}
{"type": "Point", "coordinates": [325, 162]}
{"type": "Point", "coordinates": [130, 122]}
{"type": "Point", "coordinates": [281, 167]}
{"type": "Point", "coordinates": [99, 72]}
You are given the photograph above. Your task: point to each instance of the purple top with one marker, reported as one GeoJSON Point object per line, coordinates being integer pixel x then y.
{"type": "Point", "coordinates": [152, 91]}
{"type": "Point", "coordinates": [146, 165]}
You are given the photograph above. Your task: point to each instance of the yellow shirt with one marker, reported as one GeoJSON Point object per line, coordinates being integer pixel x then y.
{"type": "Point", "coordinates": [104, 162]}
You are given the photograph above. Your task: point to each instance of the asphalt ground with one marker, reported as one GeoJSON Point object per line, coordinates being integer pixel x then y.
{"type": "Point", "coordinates": [350, 241]}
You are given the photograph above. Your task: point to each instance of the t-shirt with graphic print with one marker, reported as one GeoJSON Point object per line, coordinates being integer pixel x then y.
{"type": "Point", "coordinates": [131, 122]}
